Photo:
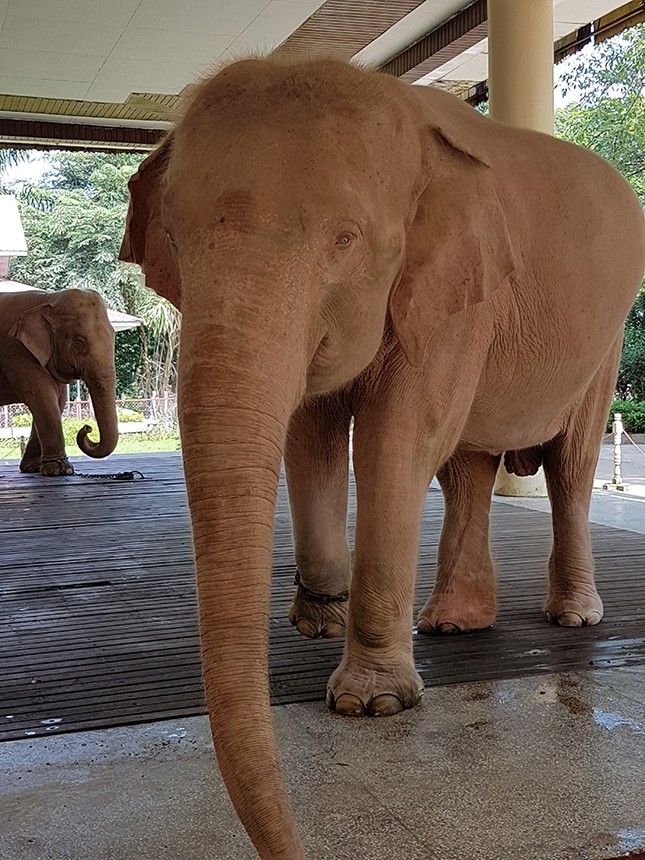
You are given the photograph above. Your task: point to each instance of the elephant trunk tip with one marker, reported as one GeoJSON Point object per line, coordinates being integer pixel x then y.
{"type": "Point", "coordinates": [93, 449]}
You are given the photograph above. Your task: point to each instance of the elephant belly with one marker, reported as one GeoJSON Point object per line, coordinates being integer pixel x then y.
{"type": "Point", "coordinates": [513, 418]}
{"type": "Point", "coordinates": [505, 435]}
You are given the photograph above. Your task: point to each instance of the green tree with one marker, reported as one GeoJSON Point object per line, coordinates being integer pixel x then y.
{"type": "Point", "coordinates": [9, 158]}
{"type": "Point", "coordinates": [74, 221]}
{"type": "Point", "coordinates": [631, 378]}
{"type": "Point", "coordinates": [609, 118]}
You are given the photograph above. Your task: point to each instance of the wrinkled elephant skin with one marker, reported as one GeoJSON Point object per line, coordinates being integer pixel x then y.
{"type": "Point", "coordinates": [344, 246]}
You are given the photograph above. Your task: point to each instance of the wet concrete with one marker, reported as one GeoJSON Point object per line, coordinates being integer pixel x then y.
{"type": "Point", "coordinates": [546, 768]}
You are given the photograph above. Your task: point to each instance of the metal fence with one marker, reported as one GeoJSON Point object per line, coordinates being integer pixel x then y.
{"type": "Point", "coordinates": [134, 416]}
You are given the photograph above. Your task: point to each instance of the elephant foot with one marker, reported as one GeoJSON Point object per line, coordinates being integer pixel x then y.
{"type": "Point", "coordinates": [30, 465]}
{"type": "Point", "coordinates": [355, 690]}
{"type": "Point", "coordinates": [318, 615]}
{"type": "Point", "coordinates": [52, 468]}
{"type": "Point", "coordinates": [447, 613]}
{"type": "Point", "coordinates": [574, 610]}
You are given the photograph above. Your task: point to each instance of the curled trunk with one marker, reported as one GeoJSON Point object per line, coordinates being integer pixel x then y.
{"type": "Point", "coordinates": [103, 393]}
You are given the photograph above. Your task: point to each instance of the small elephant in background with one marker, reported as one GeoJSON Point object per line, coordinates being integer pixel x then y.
{"type": "Point", "coordinates": [48, 340]}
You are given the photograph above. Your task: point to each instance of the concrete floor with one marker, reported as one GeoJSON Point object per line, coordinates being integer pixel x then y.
{"type": "Point", "coordinates": [546, 768]}
{"type": "Point", "coordinates": [542, 768]}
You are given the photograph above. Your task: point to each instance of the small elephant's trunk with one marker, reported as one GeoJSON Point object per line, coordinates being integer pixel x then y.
{"type": "Point", "coordinates": [103, 394]}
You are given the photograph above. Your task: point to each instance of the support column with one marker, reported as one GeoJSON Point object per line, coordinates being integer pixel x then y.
{"type": "Point", "coordinates": [520, 63]}
{"type": "Point", "coordinates": [520, 81]}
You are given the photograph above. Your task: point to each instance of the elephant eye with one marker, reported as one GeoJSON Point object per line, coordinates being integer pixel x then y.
{"type": "Point", "coordinates": [344, 239]}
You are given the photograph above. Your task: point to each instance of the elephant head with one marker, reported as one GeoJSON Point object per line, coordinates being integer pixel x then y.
{"type": "Point", "coordinates": [306, 219]}
{"type": "Point", "coordinates": [70, 334]}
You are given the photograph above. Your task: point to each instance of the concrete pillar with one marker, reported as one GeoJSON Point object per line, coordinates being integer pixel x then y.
{"type": "Point", "coordinates": [520, 80]}
{"type": "Point", "coordinates": [520, 62]}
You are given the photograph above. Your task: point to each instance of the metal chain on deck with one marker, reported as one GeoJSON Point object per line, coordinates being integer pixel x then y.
{"type": "Point", "coordinates": [115, 476]}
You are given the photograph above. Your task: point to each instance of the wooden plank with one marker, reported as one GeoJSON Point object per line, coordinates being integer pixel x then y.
{"type": "Point", "coordinates": [98, 610]}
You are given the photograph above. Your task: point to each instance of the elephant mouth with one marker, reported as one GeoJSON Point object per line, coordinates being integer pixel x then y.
{"type": "Point", "coordinates": [64, 375]}
{"type": "Point", "coordinates": [322, 366]}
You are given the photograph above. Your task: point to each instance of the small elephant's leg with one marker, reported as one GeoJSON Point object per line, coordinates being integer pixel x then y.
{"type": "Point", "coordinates": [377, 674]}
{"type": "Point", "coordinates": [569, 465]}
{"type": "Point", "coordinates": [46, 409]}
{"type": "Point", "coordinates": [464, 595]}
{"type": "Point", "coordinates": [30, 461]}
{"type": "Point", "coordinates": [316, 460]}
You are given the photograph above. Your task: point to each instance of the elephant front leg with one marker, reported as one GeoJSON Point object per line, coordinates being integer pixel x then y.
{"type": "Point", "coordinates": [377, 674]}
{"type": "Point", "coordinates": [32, 456]}
{"type": "Point", "coordinates": [46, 409]}
{"type": "Point", "coordinates": [316, 460]}
{"type": "Point", "coordinates": [464, 595]}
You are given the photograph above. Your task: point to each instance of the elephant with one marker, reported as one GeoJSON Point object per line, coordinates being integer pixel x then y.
{"type": "Point", "coordinates": [345, 247]}
{"type": "Point", "coordinates": [47, 340]}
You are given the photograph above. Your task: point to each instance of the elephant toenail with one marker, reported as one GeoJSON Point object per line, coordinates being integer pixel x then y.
{"type": "Point", "coordinates": [333, 631]}
{"type": "Point", "coordinates": [448, 627]}
{"type": "Point", "coordinates": [350, 706]}
{"type": "Point", "coordinates": [424, 626]}
{"type": "Point", "coordinates": [593, 618]}
{"type": "Point", "coordinates": [307, 628]}
{"type": "Point", "coordinates": [550, 617]}
{"type": "Point", "coordinates": [385, 705]}
{"type": "Point", "coordinates": [570, 619]}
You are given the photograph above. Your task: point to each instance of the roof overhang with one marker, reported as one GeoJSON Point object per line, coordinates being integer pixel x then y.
{"type": "Point", "coordinates": [110, 76]}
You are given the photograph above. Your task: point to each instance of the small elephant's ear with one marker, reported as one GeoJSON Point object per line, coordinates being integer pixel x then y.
{"type": "Point", "coordinates": [458, 245]}
{"type": "Point", "coordinates": [33, 329]}
{"type": "Point", "coordinates": [145, 241]}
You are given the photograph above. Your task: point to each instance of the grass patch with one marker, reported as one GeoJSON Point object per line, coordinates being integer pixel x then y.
{"type": "Point", "coordinates": [146, 443]}
{"type": "Point", "coordinates": [129, 443]}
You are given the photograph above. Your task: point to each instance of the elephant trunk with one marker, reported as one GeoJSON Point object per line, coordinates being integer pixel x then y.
{"type": "Point", "coordinates": [241, 375]}
{"type": "Point", "coordinates": [103, 393]}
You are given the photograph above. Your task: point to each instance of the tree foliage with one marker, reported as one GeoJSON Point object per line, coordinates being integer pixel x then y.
{"type": "Point", "coordinates": [609, 118]}
{"type": "Point", "coordinates": [73, 221]}
{"type": "Point", "coordinates": [9, 158]}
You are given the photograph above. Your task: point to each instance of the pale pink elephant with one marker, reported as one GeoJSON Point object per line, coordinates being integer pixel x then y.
{"type": "Point", "coordinates": [344, 245]}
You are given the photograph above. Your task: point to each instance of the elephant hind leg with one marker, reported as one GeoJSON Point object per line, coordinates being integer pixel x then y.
{"type": "Point", "coordinates": [464, 595]}
{"type": "Point", "coordinates": [569, 465]}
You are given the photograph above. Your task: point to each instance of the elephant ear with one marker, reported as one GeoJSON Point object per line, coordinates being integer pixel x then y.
{"type": "Point", "coordinates": [33, 329]}
{"type": "Point", "coordinates": [458, 249]}
{"type": "Point", "coordinates": [145, 241]}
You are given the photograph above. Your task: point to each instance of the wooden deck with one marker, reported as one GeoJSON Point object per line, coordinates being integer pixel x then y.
{"type": "Point", "coordinates": [97, 603]}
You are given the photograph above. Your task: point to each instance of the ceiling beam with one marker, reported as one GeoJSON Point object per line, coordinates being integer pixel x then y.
{"type": "Point", "coordinates": [40, 134]}
{"type": "Point", "coordinates": [444, 43]}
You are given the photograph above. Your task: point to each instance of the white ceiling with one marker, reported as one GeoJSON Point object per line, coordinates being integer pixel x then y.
{"type": "Point", "coordinates": [103, 50]}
